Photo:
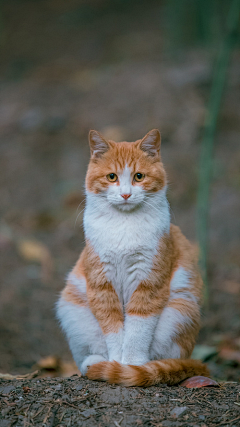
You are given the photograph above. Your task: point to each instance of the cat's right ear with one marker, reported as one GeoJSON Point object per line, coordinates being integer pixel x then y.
{"type": "Point", "coordinates": [98, 145]}
{"type": "Point", "coordinates": [151, 143]}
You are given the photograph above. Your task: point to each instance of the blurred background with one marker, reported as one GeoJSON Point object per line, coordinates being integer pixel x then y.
{"type": "Point", "coordinates": [121, 67]}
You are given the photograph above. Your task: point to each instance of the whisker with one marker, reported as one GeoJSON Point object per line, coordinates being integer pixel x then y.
{"type": "Point", "coordinates": [78, 217]}
{"type": "Point", "coordinates": [152, 206]}
{"type": "Point", "coordinates": [80, 204]}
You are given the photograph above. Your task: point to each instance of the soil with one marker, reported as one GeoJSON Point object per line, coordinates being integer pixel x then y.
{"type": "Point", "coordinates": [67, 67]}
{"type": "Point", "coordinates": [79, 402]}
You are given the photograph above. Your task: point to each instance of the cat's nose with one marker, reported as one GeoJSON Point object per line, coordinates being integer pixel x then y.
{"type": "Point", "coordinates": [125, 196]}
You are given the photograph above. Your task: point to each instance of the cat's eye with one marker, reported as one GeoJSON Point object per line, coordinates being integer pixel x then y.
{"type": "Point", "coordinates": [112, 177]}
{"type": "Point", "coordinates": [139, 177]}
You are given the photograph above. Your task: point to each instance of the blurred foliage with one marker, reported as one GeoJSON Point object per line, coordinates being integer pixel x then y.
{"type": "Point", "coordinates": [195, 22]}
{"type": "Point", "coordinates": [205, 173]}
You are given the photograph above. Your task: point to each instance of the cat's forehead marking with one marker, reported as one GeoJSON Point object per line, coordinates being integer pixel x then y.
{"type": "Point", "coordinates": [125, 173]}
{"type": "Point", "coordinates": [125, 180]}
{"type": "Point", "coordinates": [125, 176]}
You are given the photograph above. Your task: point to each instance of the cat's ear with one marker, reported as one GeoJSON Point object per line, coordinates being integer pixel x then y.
{"type": "Point", "coordinates": [151, 143]}
{"type": "Point", "coordinates": [98, 145]}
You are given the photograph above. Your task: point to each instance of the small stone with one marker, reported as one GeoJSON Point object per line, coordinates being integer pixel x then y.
{"type": "Point", "coordinates": [5, 389]}
{"type": "Point", "coordinates": [201, 417]}
{"type": "Point", "coordinates": [58, 387]}
{"type": "Point", "coordinates": [65, 397]}
{"type": "Point", "coordinates": [178, 410]}
{"type": "Point", "coordinates": [5, 423]}
{"type": "Point", "coordinates": [79, 387]}
{"type": "Point", "coordinates": [5, 411]}
{"type": "Point", "coordinates": [88, 412]}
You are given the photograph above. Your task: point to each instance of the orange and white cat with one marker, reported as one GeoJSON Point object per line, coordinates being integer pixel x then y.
{"type": "Point", "coordinates": [130, 309]}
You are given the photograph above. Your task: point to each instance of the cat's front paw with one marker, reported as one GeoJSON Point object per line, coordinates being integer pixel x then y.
{"type": "Point", "coordinates": [89, 361]}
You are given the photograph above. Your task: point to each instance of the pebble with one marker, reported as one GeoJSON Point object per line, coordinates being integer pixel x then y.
{"type": "Point", "coordinates": [178, 410]}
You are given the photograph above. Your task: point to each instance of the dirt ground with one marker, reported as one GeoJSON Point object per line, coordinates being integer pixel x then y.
{"type": "Point", "coordinates": [79, 402]}
{"type": "Point", "coordinates": [66, 68]}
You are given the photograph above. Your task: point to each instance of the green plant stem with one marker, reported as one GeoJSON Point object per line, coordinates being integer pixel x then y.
{"type": "Point", "coordinates": [209, 133]}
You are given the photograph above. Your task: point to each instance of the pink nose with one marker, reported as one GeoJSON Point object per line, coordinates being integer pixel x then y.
{"type": "Point", "coordinates": [125, 196]}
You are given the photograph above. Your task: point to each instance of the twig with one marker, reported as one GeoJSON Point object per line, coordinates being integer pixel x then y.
{"type": "Point", "coordinates": [70, 404]}
{"type": "Point", "coordinates": [51, 424]}
{"type": "Point", "coordinates": [62, 416]}
{"type": "Point", "coordinates": [228, 422]}
{"type": "Point", "coordinates": [37, 413]}
{"type": "Point", "coordinates": [47, 414]}
{"type": "Point", "coordinates": [19, 377]}
{"type": "Point", "coordinates": [117, 423]}
{"type": "Point", "coordinates": [26, 422]}
{"type": "Point", "coordinates": [9, 404]}
{"type": "Point", "coordinates": [209, 134]}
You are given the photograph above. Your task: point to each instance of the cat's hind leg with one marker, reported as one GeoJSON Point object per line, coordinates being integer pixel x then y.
{"type": "Point", "coordinates": [85, 338]}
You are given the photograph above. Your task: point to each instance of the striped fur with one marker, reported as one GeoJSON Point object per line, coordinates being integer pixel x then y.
{"type": "Point", "coordinates": [170, 371]}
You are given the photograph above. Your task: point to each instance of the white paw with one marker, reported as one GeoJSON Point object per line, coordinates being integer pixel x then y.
{"type": "Point", "coordinates": [89, 361]}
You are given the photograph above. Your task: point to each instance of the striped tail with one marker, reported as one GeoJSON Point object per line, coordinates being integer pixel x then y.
{"type": "Point", "coordinates": [166, 371]}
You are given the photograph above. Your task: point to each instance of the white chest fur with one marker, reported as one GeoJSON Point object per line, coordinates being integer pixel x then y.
{"type": "Point", "coordinates": [126, 242]}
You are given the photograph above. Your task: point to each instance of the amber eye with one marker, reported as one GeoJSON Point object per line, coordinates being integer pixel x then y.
{"type": "Point", "coordinates": [112, 177]}
{"type": "Point", "coordinates": [139, 177]}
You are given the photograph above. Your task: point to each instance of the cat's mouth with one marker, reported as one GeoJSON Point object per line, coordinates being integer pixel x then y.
{"type": "Point", "coordinates": [126, 205]}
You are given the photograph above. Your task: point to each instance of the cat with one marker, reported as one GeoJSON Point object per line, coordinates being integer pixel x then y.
{"type": "Point", "coordinates": [131, 306]}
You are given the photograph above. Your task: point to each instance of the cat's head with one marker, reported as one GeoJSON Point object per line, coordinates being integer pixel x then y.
{"type": "Point", "coordinates": [125, 173]}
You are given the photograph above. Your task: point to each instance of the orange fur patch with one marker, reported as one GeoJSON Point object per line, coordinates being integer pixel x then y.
{"type": "Point", "coordinates": [169, 371]}
{"type": "Point", "coordinates": [152, 295]}
{"type": "Point", "coordinates": [71, 294]}
{"type": "Point", "coordinates": [101, 295]}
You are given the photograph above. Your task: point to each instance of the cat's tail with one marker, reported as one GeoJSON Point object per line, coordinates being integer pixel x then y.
{"type": "Point", "coordinates": [166, 371]}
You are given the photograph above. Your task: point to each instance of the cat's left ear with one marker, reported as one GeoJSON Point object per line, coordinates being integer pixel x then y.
{"type": "Point", "coordinates": [151, 143]}
{"type": "Point", "coordinates": [98, 145]}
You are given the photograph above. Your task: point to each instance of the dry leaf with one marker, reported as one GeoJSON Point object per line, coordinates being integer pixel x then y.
{"type": "Point", "coordinates": [19, 377]}
{"type": "Point", "coordinates": [53, 366]}
{"type": "Point", "coordinates": [49, 363]}
{"type": "Point", "coordinates": [198, 381]}
{"type": "Point", "coordinates": [34, 251]}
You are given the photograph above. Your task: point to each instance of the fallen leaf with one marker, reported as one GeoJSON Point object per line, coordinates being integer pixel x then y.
{"type": "Point", "coordinates": [49, 363]}
{"type": "Point", "coordinates": [19, 377]}
{"type": "Point", "coordinates": [53, 366]}
{"type": "Point", "coordinates": [198, 381]}
{"type": "Point", "coordinates": [34, 251]}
